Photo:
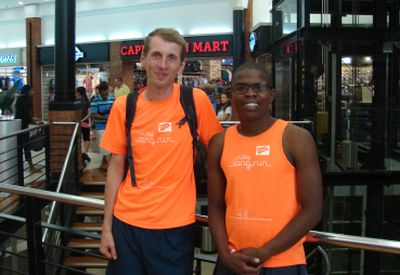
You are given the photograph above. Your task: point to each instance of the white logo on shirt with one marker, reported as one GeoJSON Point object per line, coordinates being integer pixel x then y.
{"type": "Point", "coordinates": [150, 138]}
{"type": "Point", "coordinates": [165, 127]}
{"type": "Point", "coordinates": [247, 162]}
{"type": "Point", "coordinates": [263, 150]}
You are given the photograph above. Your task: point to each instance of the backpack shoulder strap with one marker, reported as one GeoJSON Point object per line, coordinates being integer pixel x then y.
{"type": "Point", "coordinates": [129, 115]}
{"type": "Point", "coordinates": [187, 102]}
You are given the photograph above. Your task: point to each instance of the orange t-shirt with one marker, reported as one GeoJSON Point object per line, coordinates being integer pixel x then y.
{"type": "Point", "coordinates": [165, 196]}
{"type": "Point", "coordinates": [260, 192]}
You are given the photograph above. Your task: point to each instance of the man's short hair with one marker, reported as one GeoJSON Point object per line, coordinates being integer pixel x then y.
{"type": "Point", "coordinates": [254, 66]}
{"type": "Point", "coordinates": [168, 35]}
{"type": "Point", "coordinates": [103, 86]}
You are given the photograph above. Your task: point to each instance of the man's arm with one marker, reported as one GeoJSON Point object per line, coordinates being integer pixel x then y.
{"type": "Point", "coordinates": [115, 175]}
{"type": "Point", "coordinates": [216, 183]}
{"type": "Point", "coordinates": [301, 151]}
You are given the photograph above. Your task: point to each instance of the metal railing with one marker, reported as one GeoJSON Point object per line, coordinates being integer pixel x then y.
{"type": "Point", "coordinates": [55, 153]}
{"type": "Point", "coordinates": [327, 238]}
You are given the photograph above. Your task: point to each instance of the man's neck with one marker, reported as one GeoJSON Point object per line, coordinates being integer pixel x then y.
{"type": "Point", "coordinates": [156, 93]}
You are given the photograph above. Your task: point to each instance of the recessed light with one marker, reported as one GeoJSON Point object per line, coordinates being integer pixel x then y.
{"type": "Point", "coordinates": [20, 3]}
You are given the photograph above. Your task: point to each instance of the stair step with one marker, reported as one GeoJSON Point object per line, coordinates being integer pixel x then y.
{"type": "Point", "coordinates": [96, 195]}
{"type": "Point", "coordinates": [88, 226]}
{"type": "Point", "coordinates": [84, 243]}
{"type": "Point", "coordinates": [85, 262]}
{"type": "Point", "coordinates": [94, 175]}
{"type": "Point", "coordinates": [84, 210]}
{"type": "Point", "coordinates": [96, 183]}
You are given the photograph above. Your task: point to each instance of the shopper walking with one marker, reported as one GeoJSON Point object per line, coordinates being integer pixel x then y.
{"type": "Point", "coordinates": [264, 185]}
{"type": "Point", "coordinates": [24, 112]}
{"type": "Point", "coordinates": [101, 107]}
{"type": "Point", "coordinates": [84, 123]}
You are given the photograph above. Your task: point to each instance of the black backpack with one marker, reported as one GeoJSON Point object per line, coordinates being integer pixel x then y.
{"type": "Point", "coordinates": [199, 152]}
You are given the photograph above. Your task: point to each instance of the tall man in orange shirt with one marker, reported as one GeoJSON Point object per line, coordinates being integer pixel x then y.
{"type": "Point", "coordinates": [264, 184]}
{"type": "Point", "coordinates": [147, 229]}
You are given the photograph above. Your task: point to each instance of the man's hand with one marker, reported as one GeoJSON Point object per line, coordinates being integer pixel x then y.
{"type": "Point", "coordinates": [240, 263]}
{"type": "Point", "coordinates": [107, 246]}
{"type": "Point", "coordinates": [256, 253]}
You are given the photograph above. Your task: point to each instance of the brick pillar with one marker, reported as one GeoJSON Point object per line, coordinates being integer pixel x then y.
{"type": "Point", "coordinates": [33, 39]}
{"type": "Point", "coordinates": [118, 68]}
{"type": "Point", "coordinates": [248, 26]}
{"type": "Point", "coordinates": [60, 137]}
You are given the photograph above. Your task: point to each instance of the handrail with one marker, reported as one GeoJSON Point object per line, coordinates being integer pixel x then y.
{"type": "Point", "coordinates": [28, 130]}
{"type": "Point", "coordinates": [234, 122]}
{"type": "Point", "coordinates": [374, 244]}
{"type": "Point", "coordinates": [52, 196]}
{"type": "Point", "coordinates": [62, 175]}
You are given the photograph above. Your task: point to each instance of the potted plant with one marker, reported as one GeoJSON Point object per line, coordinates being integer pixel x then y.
{"type": "Point", "coordinates": [6, 101]}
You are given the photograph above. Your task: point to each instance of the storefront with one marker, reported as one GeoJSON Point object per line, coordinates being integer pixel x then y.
{"type": "Point", "coordinates": [92, 67]}
{"type": "Point", "coordinates": [12, 69]}
{"type": "Point", "coordinates": [209, 58]}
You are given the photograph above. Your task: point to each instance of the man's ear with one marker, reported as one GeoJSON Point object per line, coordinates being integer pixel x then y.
{"type": "Point", "coordinates": [183, 64]}
{"type": "Point", "coordinates": [142, 60]}
{"type": "Point", "coordinates": [272, 92]}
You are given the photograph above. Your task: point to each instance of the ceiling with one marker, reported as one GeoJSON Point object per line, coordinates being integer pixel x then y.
{"type": "Point", "coordinates": [9, 4]}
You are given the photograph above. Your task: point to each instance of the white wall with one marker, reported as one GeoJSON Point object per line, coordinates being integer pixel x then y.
{"type": "Point", "coordinates": [13, 34]}
{"type": "Point", "coordinates": [104, 20]}
{"type": "Point", "coordinates": [261, 12]}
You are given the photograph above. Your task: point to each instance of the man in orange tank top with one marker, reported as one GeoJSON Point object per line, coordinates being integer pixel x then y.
{"type": "Point", "coordinates": [264, 184]}
{"type": "Point", "coordinates": [147, 227]}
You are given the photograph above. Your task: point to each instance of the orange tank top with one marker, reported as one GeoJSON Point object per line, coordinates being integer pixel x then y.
{"type": "Point", "coordinates": [260, 192]}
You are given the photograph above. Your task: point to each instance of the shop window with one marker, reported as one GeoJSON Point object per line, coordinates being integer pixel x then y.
{"type": "Point", "coordinates": [355, 117]}
{"type": "Point", "coordinates": [87, 75]}
{"type": "Point", "coordinates": [12, 78]}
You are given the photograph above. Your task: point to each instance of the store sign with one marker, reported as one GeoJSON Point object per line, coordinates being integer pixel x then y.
{"type": "Point", "coordinates": [10, 57]}
{"type": "Point", "coordinates": [78, 54]}
{"type": "Point", "coordinates": [203, 46]}
{"type": "Point", "coordinates": [84, 53]}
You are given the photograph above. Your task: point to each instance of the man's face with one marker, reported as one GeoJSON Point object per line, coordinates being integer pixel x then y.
{"type": "Point", "coordinates": [251, 95]}
{"type": "Point", "coordinates": [104, 94]}
{"type": "Point", "coordinates": [162, 62]}
{"type": "Point", "coordinates": [117, 82]}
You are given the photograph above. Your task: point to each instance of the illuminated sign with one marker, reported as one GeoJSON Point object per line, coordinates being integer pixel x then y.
{"type": "Point", "coordinates": [8, 59]}
{"type": "Point", "coordinates": [252, 41]}
{"type": "Point", "coordinates": [78, 54]}
{"type": "Point", "coordinates": [202, 46]}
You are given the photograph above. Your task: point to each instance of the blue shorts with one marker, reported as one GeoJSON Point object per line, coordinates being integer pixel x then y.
{"type": "Point", "coordinates": [151, 251]}
{"type": "Point", "coordinates": [285, 270]}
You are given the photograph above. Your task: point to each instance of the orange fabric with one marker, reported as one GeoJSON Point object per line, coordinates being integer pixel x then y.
{"type": "Point", "coordinates": [165, 196]}
{"type": "Point", "coordinates": [260, 192]}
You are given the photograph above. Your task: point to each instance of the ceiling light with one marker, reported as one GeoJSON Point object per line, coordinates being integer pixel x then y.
{"type": "Point", "coordinates": [20, 3]}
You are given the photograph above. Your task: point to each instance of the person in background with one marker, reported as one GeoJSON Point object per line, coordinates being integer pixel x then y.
{"type": "Point", "coordinates": [85, 123]}
{"type": "Point", "coordinates": [210, 91]}
{"type": "Point", "coordinates": [264, 185]}
{"type": "Point", "coordinates": [120, 87]}
{"type": "Point", "coordinates": [148, 226]}
{"type": "Point", "coordinates": [225, 112]}
{"type": "Point", "coordinates": [101, 107]}
{"type": "Point", "coordinates": [24, 112]}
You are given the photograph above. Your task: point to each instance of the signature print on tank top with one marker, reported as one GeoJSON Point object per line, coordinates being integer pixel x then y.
{"type": "Point", "coordinates": [245, 215]}
{"type": "Point", "coordinates": [249, 162]}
